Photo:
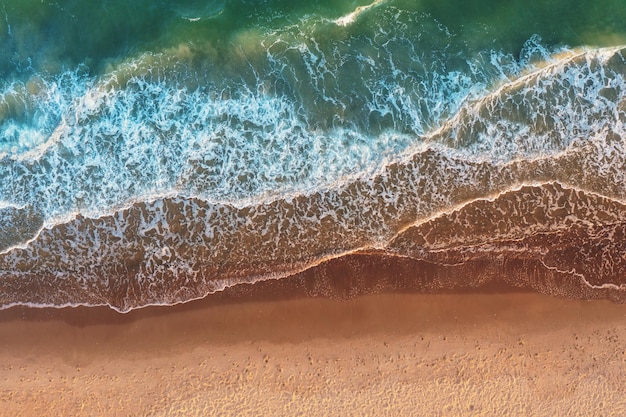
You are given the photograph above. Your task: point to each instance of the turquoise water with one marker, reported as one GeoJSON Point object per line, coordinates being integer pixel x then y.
{"type": "Point", "coordinates": [299, 111]}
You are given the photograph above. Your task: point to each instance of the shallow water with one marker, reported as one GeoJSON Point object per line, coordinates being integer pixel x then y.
{"type": "Point", "coordinates": [156, 152]}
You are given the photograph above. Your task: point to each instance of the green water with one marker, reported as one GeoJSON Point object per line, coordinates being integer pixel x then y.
{"type": "Point", "coordinates": [50, 36]}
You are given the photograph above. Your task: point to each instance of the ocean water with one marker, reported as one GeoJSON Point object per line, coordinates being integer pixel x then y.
{"type": "Point", "coordinates": [155, 152]}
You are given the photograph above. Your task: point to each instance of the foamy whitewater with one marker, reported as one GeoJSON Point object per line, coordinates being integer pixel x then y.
{"type": "Point", "coordinates": [304, 143]}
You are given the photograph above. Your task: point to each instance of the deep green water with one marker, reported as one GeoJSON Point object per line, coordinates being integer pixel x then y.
{"type": "Point", "coordinates": [51, 36]}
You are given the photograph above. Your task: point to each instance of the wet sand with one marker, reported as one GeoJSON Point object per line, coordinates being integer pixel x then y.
{"type": "Point", "coordinates": [386, 354]}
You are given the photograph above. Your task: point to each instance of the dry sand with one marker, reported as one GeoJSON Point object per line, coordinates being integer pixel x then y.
{"type": "Point", "coordinates": [390, 354]}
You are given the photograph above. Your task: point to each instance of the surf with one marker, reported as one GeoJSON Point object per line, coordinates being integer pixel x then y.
{"type": "Point", "coordinates": [169, 249]}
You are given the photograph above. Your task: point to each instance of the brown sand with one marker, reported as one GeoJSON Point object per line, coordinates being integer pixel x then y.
{"type": "Point", "coordinates": [388, 354]}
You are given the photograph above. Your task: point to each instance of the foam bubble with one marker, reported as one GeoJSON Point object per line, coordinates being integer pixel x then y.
{"type": "Point", "coordinates": [154, 126]}
{"type": "Point", "coordinates": [351, 17]}
{"type": "Point", "coordinates": [30, 111]}
{"type": "Point", "coordinates": [290, 120]}
{"type": "Point", "coordinates": [569, 104]}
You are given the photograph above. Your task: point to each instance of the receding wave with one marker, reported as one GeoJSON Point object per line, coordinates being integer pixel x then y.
{"type": "Point", "coordinates": [524, 184]}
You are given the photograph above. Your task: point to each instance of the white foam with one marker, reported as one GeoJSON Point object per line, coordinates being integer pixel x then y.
{"type": "Point", "coordinates": [543, 113]}
{"type": "Point", "coordinates": [132, 137]}
{"type": "Point", "coordinates": [272, 153]}
{"type": "Point", "coordinates": [351, 17]}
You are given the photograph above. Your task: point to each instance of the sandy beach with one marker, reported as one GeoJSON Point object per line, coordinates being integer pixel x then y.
{"type": "Point", "coordinates": [387, 354]}
{"type": "Point", "coordinates": [315, 208]}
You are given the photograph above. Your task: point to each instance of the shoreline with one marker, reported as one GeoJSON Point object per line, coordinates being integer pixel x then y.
{"type": "Point", "coordinates": [392, 353]}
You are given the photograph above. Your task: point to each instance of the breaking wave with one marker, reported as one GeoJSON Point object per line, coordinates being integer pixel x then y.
{"type": "Point", "coordinates": [143, 187]}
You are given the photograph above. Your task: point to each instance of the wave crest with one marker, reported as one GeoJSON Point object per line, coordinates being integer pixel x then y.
{"type": "Point", "coordinates": [530, 175]}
